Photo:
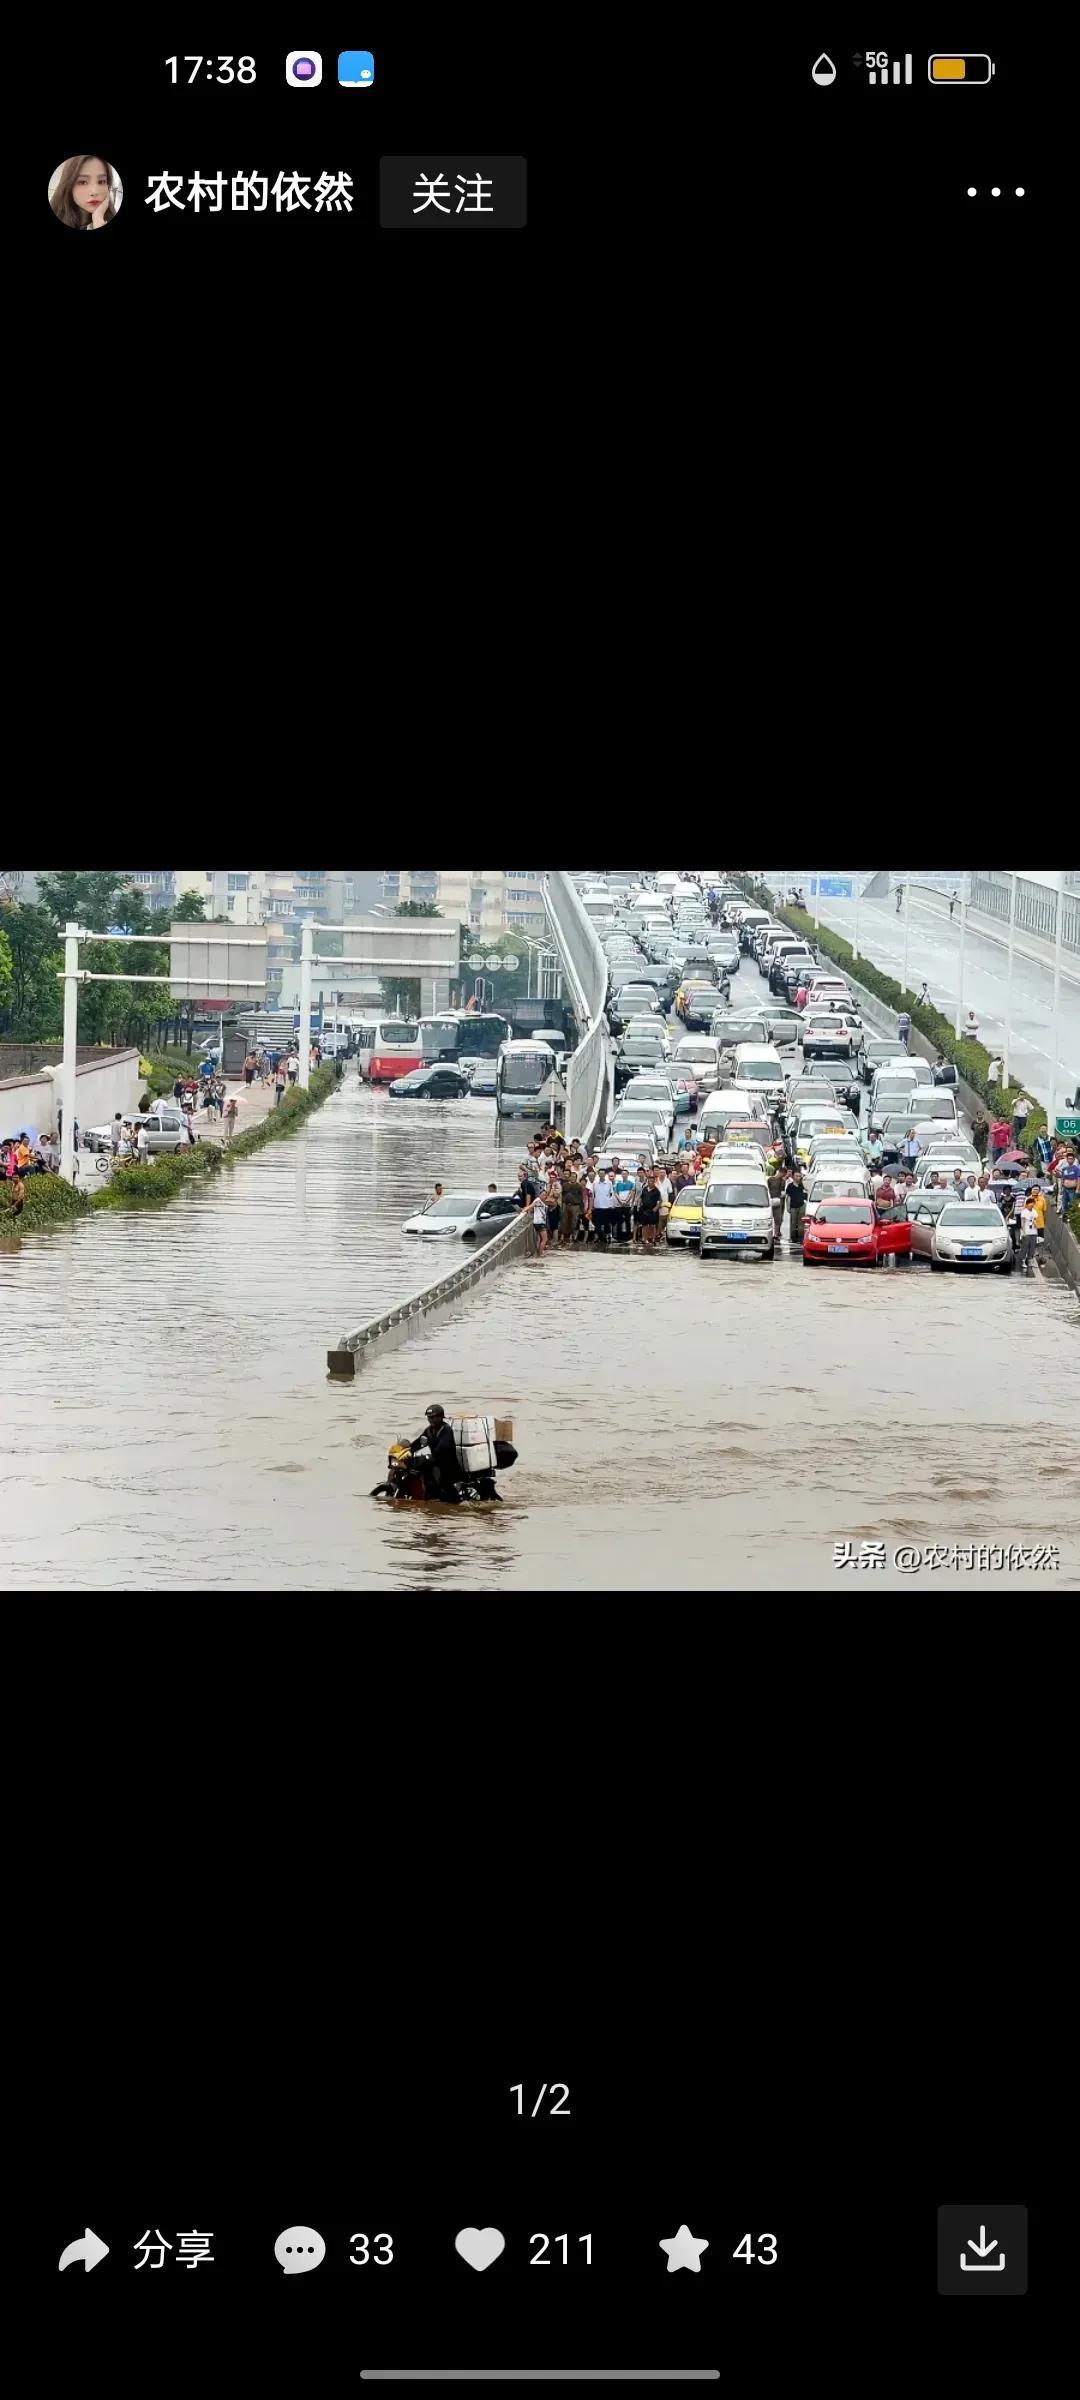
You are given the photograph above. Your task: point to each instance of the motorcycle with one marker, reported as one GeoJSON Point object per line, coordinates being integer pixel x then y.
{"type": "Point", "coordinates": [408, 1483]}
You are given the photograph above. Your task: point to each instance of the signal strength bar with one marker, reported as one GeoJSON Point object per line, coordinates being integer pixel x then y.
{"type": "Point", "coordinates": [895, 70]}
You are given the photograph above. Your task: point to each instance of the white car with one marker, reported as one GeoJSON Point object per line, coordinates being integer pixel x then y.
{"type": "Point", "coordinates": [462, 1216]}
{"type": "Point", "coordinates": [166, 1129]}
{"type": "Point", "coordinates": [940, 1159]}
{"type": "Point", "coordinates": [971, 1234]}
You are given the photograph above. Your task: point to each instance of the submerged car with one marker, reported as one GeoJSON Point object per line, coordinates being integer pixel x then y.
{"type": "Point", "coordinates": [430, 1083]}
{"type": "Point", "coordinates": [971, 1235]}
{"type": "Point", "coordinates": [853, 1233]}
{"type": "Point", "coordinates": [463, 1216]}
{"type": "Point", "coordinates": [482, 1076]}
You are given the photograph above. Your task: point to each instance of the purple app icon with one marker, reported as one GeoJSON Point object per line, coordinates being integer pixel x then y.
{"type": "Point", "coordinates": [303, 67]}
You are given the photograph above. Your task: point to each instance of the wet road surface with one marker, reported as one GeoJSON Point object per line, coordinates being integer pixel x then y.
{"type": "Point", "coordinates": [934, 952]}
{"type": "Point", "coordinates": [172, 1425]}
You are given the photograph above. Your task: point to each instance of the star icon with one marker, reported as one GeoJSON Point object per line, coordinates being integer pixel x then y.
{"type": "Point", "coordinates": [683, 2250]}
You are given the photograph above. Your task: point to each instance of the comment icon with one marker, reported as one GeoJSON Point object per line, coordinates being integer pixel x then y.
{"type": "Point", "coordinates": [299, 2249]}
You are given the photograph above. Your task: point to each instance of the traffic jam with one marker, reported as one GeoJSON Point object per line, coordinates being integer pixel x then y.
{"type": "Point", "coordinates": [774, 1119]}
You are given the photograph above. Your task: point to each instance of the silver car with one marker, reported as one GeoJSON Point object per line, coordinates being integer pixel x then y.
{"type": "Point", "coordinates": [922, 1210]}
{"type": "Point", "coordinates": [971, 1235]}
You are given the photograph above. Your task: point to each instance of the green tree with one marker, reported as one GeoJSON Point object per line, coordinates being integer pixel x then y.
{"type": "Point", "coordinates": [402, 992]}
{"type": "Point", "coordinates": [92, 900]}
{"type": "Point", "coordinates": [5, 971]}
{"type": "Point", "coordinates": [190, 908]}
{"type": "Point", "coordinates": [33, 1010]}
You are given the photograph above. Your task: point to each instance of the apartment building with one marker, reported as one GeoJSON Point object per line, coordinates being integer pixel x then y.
{"type": "Point", "coordinates": [487, 899]}
{"type": "Point", "coordinates": [157, 885]}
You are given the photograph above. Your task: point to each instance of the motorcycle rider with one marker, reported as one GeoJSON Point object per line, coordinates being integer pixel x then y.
{"type": "Point", "coordinates": [441, 1465]}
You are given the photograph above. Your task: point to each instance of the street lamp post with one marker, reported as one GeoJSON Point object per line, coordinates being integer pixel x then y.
{"type": "Point", "coordinates": [67, 1072]}
{"type": "Point", "coordinates": [1009, 983]}
{"type": "Point", "coordinates": [306, 947]}
{"type": "Point", "coordinates": [855, 936]}
{"type": "Point", "coordinates": [907, 925]}
{"type": "Point", "coordinates": [960, 974]}
{"type": "Point", "coordinates": [1051, 1114]}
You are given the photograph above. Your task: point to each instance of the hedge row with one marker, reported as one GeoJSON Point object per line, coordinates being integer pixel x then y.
{"type": "Point", "coordinates": [972, 1059]}
{"type": "Point", "coordinates": [51, 1201]}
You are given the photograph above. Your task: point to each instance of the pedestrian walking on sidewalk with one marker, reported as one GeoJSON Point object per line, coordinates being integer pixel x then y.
{"type": "Point", "coordinates": [1022, 1108]}
{"type": "Point", "coordinates": [899, 898]}
{"type": "Point", "coordinates": [980, 1133]}
{"type": "Point", "coordinates": [279, 1083]}
{"type": "Point", "coordinates": [922, 997]}
{"type": "Point", "coordinates": [903, 1027]}
{"type": "Point", "coordinates": [292, 1067]}
{"type": "Point", "coordinates": [230, 1118]}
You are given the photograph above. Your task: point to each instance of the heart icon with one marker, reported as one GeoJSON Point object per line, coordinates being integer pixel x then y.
{"type": "Point", "coordinates": [481, 2245]}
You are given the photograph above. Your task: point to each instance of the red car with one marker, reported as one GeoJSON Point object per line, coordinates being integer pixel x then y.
{"type": "Point", "coordinates": [853, 1233]}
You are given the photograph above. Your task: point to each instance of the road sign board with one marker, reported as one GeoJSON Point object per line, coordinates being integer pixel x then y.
{"type": "Point", "coordinates": [1070, 1126]}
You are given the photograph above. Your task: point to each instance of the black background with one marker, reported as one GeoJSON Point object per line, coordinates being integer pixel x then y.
{"type": "Point", "coordinates": [781, 1930]}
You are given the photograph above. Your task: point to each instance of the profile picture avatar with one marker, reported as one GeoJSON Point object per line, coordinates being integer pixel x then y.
{"type": "Point", "coordinates": [85, 193]}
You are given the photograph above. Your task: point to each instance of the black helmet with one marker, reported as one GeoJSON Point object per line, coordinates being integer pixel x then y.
{"type": "Point", "coordinates": [435, 1410]}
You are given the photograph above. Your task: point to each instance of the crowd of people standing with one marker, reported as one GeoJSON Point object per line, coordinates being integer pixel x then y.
{"type": "Point", "coordinates": [578, 1202]}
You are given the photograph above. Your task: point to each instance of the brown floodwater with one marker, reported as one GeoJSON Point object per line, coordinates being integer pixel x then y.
{"type": "Point", "coordinates": [167, 1420]}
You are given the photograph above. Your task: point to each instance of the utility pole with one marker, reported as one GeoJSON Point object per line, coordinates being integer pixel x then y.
{"type": "Point", "coordinates": [907, 927]}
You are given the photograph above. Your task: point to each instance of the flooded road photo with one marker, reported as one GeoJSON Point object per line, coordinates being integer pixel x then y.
{"type": "Point", "coordinates": [172, 1424]}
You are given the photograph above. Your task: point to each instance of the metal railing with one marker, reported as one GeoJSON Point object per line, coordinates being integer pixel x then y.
{"type": "Point", "coordinates": [590, 1076]}
{"type": "Point", "coordinates": [1036, 907]}
{"type": "Point", "coordinates": [408, 1316]}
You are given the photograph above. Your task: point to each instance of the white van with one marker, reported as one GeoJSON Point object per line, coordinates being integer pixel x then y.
{"type": "Point", "coordinates": [736, 1213]}
{"type": "Point", "coordinates": [718, 1110]}
{"type": "Point", "coordinates": [757, 1066]}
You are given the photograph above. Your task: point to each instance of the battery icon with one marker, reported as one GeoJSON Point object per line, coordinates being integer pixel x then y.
{"type": "Point", "coordinates": [972, 66]}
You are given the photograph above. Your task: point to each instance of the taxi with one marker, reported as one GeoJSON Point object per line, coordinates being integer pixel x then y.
{"type": "Point", "coordinates": [684, 1216]}
{"type": "Point", "coordinates": [813, 1128]}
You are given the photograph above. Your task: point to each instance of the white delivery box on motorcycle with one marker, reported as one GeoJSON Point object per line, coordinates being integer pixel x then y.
{"type": "Point", "coordinates": [474, 1441]}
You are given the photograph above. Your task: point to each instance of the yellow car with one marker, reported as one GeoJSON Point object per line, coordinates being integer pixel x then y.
{"type": "Point", "coordinates": [684, 1220]}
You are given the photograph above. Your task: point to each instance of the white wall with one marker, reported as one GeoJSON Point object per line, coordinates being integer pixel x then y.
{"type": "Point", "coordinates": [100, 1091]}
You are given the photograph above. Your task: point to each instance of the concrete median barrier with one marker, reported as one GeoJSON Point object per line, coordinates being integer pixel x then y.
{"type": "Point", "coordinates": [384, 1332]}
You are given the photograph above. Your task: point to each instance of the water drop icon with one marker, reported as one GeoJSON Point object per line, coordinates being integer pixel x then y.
{"type": "Point", "coordinates": [823, 70]}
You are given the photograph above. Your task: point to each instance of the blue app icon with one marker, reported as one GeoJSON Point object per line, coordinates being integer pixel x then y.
{"type": "Point", "coordinates": [356, 67]}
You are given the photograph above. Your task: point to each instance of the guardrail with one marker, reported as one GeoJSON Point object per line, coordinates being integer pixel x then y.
{"type": "Point", "coordinates": [1063, 1247]}
{"type": "Point", "coordinates": [408, 1316]}
{"type": "Point", "coordinates": [590, 1081]}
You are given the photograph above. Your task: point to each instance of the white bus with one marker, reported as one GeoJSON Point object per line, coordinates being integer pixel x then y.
{"type": "Point", "coordinates": [522, 1077]}
{"type": "Point", "coordinates": [387, 1047]}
